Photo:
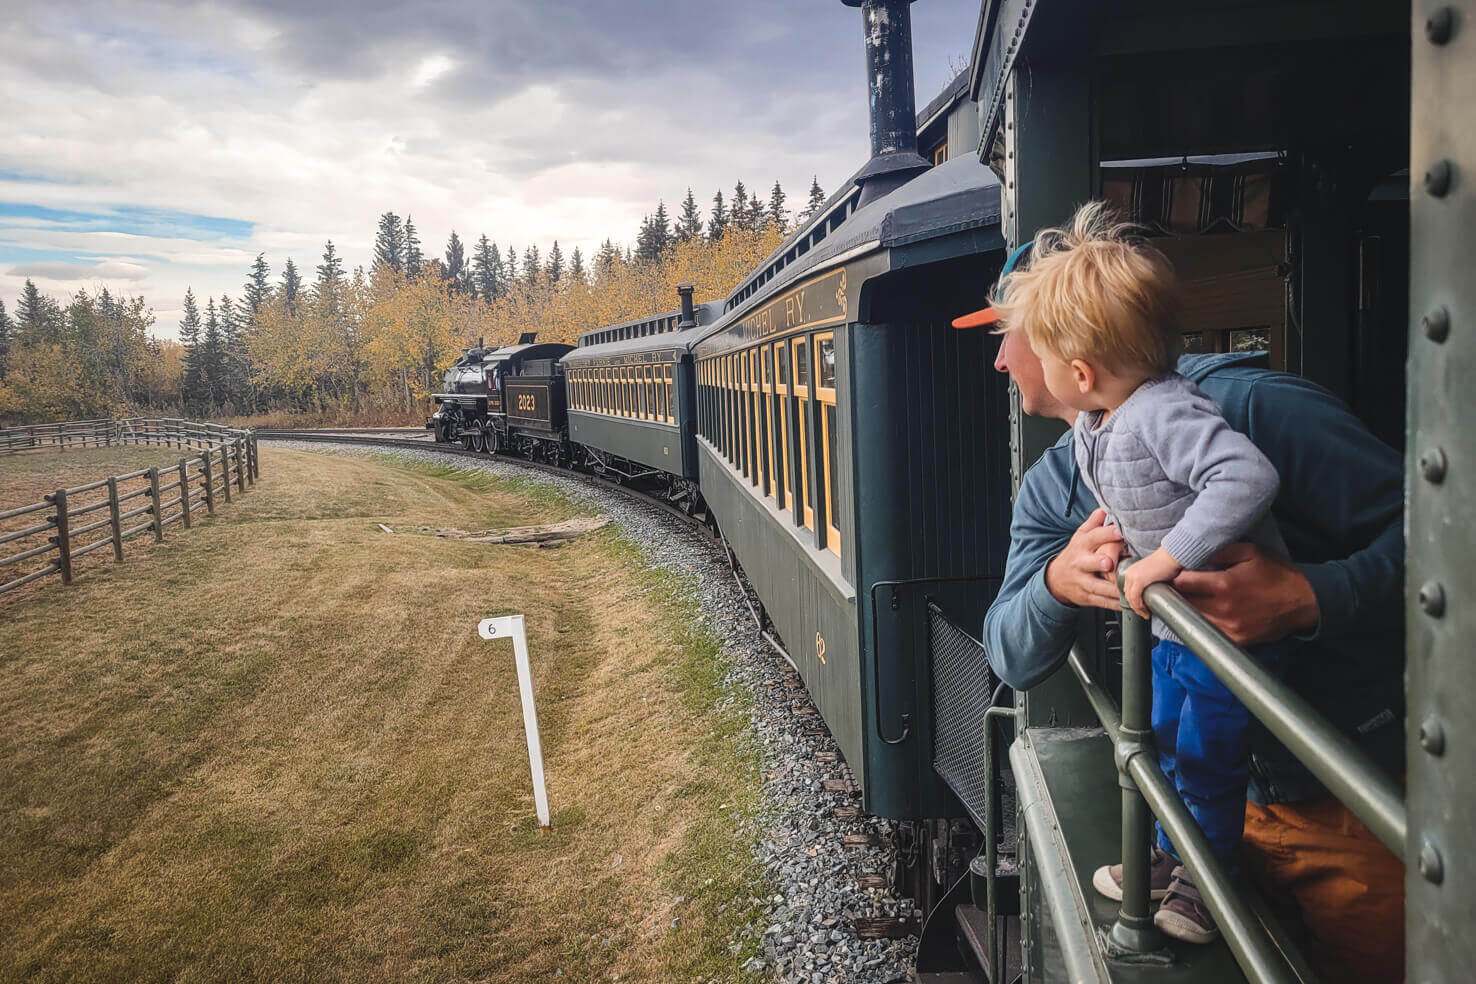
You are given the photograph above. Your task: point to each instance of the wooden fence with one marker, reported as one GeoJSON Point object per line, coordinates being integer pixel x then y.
{"type": "Point", "coordinates": [68, 519]}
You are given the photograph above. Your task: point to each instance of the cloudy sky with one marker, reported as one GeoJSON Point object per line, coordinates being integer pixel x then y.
{"type": "Point", "coordinates": [155, 145]}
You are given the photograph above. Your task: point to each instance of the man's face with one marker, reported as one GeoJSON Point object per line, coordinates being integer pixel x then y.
{"type": "Point", "coordinates": [1018, 359]}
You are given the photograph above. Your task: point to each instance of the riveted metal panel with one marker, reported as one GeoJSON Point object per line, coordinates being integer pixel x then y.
{"type": "Point", "coordinates": [1441, 483]}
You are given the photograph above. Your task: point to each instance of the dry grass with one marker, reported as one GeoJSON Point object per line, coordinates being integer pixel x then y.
{"type": "Point", "coordinates": [25, 478]}
{"type": "Point", "coordinates": [276, 750]}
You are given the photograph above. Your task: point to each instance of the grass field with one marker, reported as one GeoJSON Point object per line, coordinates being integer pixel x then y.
{"type": "Point", "coordinates": [25, 478]}
{"type": "Point", "coordinates": [276, 750]}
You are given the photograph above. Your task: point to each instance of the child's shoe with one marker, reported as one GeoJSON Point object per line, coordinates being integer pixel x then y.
{"type": "Point", "coordinates": [1183, 914]}
{"type": "Point", "coordinates": [1161, 865]}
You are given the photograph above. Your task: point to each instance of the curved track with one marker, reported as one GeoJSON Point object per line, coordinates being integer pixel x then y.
{"type": "Point", "coordinates": [382, 439]}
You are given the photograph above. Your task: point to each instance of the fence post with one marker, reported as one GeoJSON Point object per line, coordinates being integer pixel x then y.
{"type": "Point", "coordinates": [108, 432]}
{"type": "Point", "coordinates": [184, 491]}
{"type": "Point", "coordinates": [158, 507]}
{"type": "Point", "coordinates": [225, 472]}
{"type": "Point", "coordinates": [239, 447]}
{"type": "Point", "coordinates": [115, 514]}
{"type": "Point", "coordinates": [63, 538]}
{"type": "Point", "coordinates": [209, 483]}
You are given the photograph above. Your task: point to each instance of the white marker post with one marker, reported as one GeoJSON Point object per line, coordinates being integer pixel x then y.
{"type": "Point", "coordinates": [511, 626]}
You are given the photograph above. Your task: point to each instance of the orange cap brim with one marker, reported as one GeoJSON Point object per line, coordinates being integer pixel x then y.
{"type": "Point", "coordinates": [984, 316]}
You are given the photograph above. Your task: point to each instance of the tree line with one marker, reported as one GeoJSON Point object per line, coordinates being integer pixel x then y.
{"type": "Point", "coordinates": [348, 343]}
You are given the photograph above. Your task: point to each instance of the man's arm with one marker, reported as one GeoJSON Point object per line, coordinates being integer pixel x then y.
{"type": "Point", "coordinates": [1053, 567]}
{"type": "Point", "coordinates": [1340, 510]}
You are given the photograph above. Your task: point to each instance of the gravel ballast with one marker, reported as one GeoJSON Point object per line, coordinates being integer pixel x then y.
{"type": "Point", "coordinates": [807, 933]}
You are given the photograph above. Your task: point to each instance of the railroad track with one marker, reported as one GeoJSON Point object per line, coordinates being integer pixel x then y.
{"type": "Point", "coordinates": [380, 439]}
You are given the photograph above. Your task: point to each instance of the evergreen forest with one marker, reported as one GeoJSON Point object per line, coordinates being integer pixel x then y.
{"type": "Point", "coordinates": [329, 344]}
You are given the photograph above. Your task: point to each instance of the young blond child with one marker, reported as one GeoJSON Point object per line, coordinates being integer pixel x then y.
{"type": "Point", "coordinates": [1100, 308]}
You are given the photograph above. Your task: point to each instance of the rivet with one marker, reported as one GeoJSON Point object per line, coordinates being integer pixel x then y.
{"type": "Point", "coordinates": [1440, 25]}
{"type": "Point", "coordinates": [1436, 325]}
{"type": "Point", "coordinates": [1432, 736]}
{"type": "Point", "coordinates": [1432, 466]}
{"type": "Point", "coordinates": [1432, 599]}
{"type": "Point", "coordinates": [1432, 866]}
{"type": "Point", "coordinates": [1437, 179]}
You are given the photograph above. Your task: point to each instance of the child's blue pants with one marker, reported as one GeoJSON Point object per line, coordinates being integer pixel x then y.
{"type": "Point", "coordinates": [1203, 736]}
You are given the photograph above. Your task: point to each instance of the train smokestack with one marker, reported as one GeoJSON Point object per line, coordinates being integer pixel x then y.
{"type": "Point", "coordinates": [894, 157]}
{"type": "Point", "coordinates": [689, 319]}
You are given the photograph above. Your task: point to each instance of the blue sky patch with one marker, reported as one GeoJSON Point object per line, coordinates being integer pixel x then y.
{"type": "Point", "coordinates": [133, 220]}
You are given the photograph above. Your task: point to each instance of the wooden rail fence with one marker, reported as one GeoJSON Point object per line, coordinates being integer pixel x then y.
{"type": "Point", "coordinates": [71, 523]}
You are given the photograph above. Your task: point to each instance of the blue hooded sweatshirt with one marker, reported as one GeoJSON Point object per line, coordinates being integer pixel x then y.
{"type": "Point", "coordinates": [1340, 511]}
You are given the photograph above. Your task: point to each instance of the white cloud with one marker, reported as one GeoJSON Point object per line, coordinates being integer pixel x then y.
{"type": "Point", "coordinates": [526, 123]}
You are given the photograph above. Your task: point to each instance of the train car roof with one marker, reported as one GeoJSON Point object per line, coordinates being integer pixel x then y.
{"type": "Point", "coordinates": [532, 350]}
{"type": "Point", "coordinates": [660, 333]}
{"type": "Point", "coordinates": [958, 196]}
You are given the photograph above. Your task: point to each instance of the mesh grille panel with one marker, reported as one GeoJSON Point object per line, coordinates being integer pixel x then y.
{"type": "Point", "coordinates": [962, 687]}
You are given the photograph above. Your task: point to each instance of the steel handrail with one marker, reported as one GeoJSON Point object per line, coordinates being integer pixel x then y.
{"type": "Point", "coordinates": [1328, 754]}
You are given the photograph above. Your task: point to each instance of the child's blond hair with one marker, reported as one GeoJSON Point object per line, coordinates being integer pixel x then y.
{"type": "Point", "coordinates": [1096, 291]}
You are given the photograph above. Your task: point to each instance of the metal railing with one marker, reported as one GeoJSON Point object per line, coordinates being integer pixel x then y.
{"type": "Point", "coordinates": [70, 523]}
{"type": "Point", "coordinates": [1372, 796]}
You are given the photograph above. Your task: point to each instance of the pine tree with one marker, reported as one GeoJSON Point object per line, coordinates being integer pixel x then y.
{"type": "Point", "coordinates": [777, 215]}
{"type": "Point", "coordinates": [455, 262]}
{"type": "Point", "coordinates": [605, 258]}
{"type": "Point", "coordinates": [291, 285]}
{"type": "Point", "coordinates": [646, 250]}
{"type": "Point", "coordinates": [256, 291]}
{"type": "Point", "coordinates": [661, 228]}
{"type": "Point", "coordinates": [210, 356]}
{"type": "Point", "coordinates": [756, 216]}
{"type": "Point", "coordinates": [499, 282]}
{"type": "Point", "coordinates": [719, 220]}
{"type": "Point", "coordinates": [414, 259]}
{"type": "Point", "coordinates": [555, 267]}
{"type": "Point", "coordinates": [328, 291]}
{"type": "Point", "coordinates": [190, 388]}
{"type": "Point", "coordinates": [231, 349]}
{"type": "Point", "coordinates": [532, 265]}
{"type": "Point", "coordinates": [817, 198]}
{"type": "Point", "coordinates": [689, 226]}
{"type": "Point", "coordinates": [576, 269]}
{"type": "Point", "coordinates": [7, 329]}
{"type": "Point", "coordinates": [389, 244]}
{"type": "Point", "coordinates": [510, 268]}
{"type": "Point", "coordinates": [740, 206]}
{"type": "Point", "coordinates": [487, 270]}
{"type": "Point", "coordinates": [38, 318]}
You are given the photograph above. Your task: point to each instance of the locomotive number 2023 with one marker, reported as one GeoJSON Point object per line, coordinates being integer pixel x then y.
{"type": "Point", "coordinates": [525, 401]}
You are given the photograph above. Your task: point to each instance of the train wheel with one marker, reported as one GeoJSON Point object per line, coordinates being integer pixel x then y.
{"type": "Point", "coordinates": [494, 443]}
{"type": "Point", "coordinates": [466, 442]}
{"type": "Point", "coordinates": [479, 440]}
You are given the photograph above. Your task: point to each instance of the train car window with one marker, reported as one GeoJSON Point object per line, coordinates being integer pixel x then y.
{"type": "Point", "coordinates": [766, 395]}
{"type": "Point", "coordinates": [783, 487]}
{"type": "Point", "coordinates": [651, 413]}
{"type": "Point", "coordinates": [825, 461]}
{"type": "Point", "coordinates": [670, 413]}
{"type": "Point", "coordinates": [745, 417]}
{"type": "Point", "coordinates": [755, 418]}
{"type": "Point", "coordinates": [801, 398]}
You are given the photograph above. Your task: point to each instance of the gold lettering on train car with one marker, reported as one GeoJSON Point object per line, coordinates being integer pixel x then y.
{"type": "Point", "coordinates": [820, 647]}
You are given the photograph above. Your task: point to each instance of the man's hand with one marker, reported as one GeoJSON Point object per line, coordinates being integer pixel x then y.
{"type": "Point", "coordinates": [1155, 568]}
{"type": "Point", "coordinates": [1082, 573]}
{"type": "Point", "coordinates": [1257, 597]}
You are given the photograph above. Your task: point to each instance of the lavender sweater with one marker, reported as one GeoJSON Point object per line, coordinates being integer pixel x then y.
{"type": "Point", "coordinates": [1172, 473]}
